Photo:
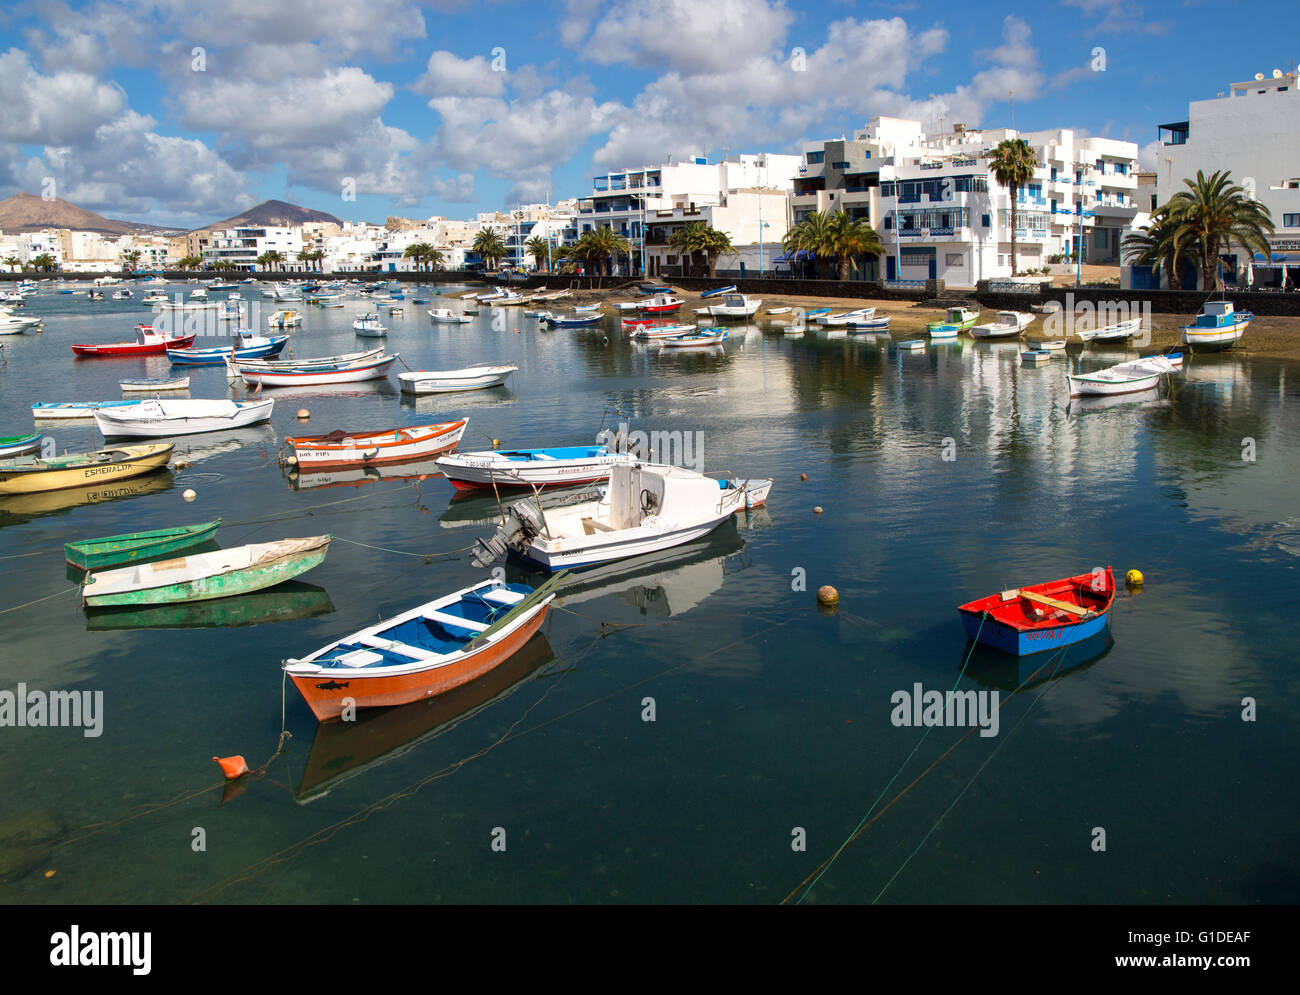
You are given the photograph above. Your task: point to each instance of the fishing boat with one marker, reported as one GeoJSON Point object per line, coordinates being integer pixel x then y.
{"type": "Point", "coordinates": [399, 445]}
{"type": "Point", "coordinates": [369, 324]}
{"type": "Point", "coordinates": [659, 304]}
{"type": "Point", "coordinates": [845, 317]}
{"type": "Point", "coordinates": [1121, 331]}
{"type": "Point", "coordinates": [284, 319]}
{"type": "Point", "coordinates": [122, 295]}
{"type": "Point", "coordinates": [94, 554]}
{"type": "Point", "coordinates": [312, 362]}
{"type": "Point", "coordinates": [960, 318]}
{"type": "Point", "coordinates": [158, 418]}
{"type": "Point", "coordinates": [1009, 324]}
{"type": "Point", "coordinates": [654, 288]}
{"type": "Point", "coordinates": [428, 650]}
{"type": "Point", "coordinates": [912, 345]}
{"type": "Point", "coordinates": [446, 316]}
{"type": "Point", "coordinates": [192, 305]}
{"type": "Point", "coordinates": [74, 410]}
{"type": "Point", "coordinates": [148, 342]}
{"type": "Point", "coordinates": [19, 445]}
{"type": "Point", "coordinates": [586, 308]}
{"type": "Point", "coordinates": [1041, 617]}
{"type": "Point", "coordinates": [362, 370]}
{"type": "Point", "coordinates": [204, 576]}
{"type": "Point", "coordinates": [730, 289]}
{"type": "Point", "coordinates": [1051, 345]}
{"type": "Point", "coordinates": [873, 324]}
{"type": "Point", "coordinates": [696, 340]}
{"type": "Point", "coordinates": [245, 347]}
{"type": "Point", "coordinates": [505, 300]}
{"type": "Point", "coordinates": [29, 474]}
{"type": "Point", "coordinates": [1219, 326]}
{"type": "Point", "coordinates": [779, 310]}
{"type": "Point", "coordinates": [154, 297]}
{"type": "Point", "coordinates": [1123, 378]}
{"type": "Point", "coordinates": [662, 331]}
{"type": "Point", "coordinates": [150, 384]}
{"type": "Point", "coordinates": [646, 508]}
{"type": "Point", "coordinates": [735, 306]}
{"type": "Point", "coordinates": [573, 321]}
{"type": "Point", "coordinates": [446, 381]}
{"type": "Point", "coordinates": [562, 466]}
{"type": "Point", "coordinates": [1035, 357]}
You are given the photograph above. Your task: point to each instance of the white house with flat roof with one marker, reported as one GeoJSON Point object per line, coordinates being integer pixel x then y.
{"type": "Point", "coordinates": [239, 248]}
{"type": "Point", "coordinates": [1252, 130]}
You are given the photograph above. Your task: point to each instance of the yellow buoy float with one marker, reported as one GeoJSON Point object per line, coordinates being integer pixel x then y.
{"type": "Point", "coordinates": [1133, 578]}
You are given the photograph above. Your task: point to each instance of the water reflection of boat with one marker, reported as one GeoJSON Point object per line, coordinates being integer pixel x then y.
{"type": "Point", "coordinates": [437, 403]}
{"type": "Point", "coordinates": [1083, 405]}
{"type": "Point", "coordinates": [216, 443]}
{"type": "Point", "coordinates": [290, 600]}
{"type": "Point", "coordinates": [364, 388]}
{"type": "Point", "coordinates": [663, 584]}
{"type": "Point", "coordinates": [1004, 672]}
{"type": "Point", "coordinates": [23, 506]}
{"type": "Point", "coordinates": [482, 508]}
{"type": "Point", "coordinates": [359, 475]}
{"type": "Point", "coordinates": [344, 749]}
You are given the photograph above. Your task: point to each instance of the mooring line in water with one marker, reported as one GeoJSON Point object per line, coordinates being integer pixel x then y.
{"type": "Point", "coordinates": [965, 787]}
{"type": "Point", "coordinates": [428, 557]}
{"type": "Point", "coordinates": [822, 868]}
{"type": "Point", "coordinates": [28, 604]}
{"type": "Point", "coordinates": [328, 832]}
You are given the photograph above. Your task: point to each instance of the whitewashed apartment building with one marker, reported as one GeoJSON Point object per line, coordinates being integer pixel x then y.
{"type": "Point", "coordinates": [940, 213]}
{"type": "Point", "coordinates": [239, 248]}
{"type": "Point", "coordinates": [745, 196]}
{"type": "Point", "coordinates": [1251, 130]}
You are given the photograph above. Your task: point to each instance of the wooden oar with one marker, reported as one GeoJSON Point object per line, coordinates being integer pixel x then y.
{"type": "Point", "coordinates": [529, 602]}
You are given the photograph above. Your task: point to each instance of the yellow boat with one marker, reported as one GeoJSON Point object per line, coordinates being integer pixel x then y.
{"type": "Point", "coordinates": [30, 475]}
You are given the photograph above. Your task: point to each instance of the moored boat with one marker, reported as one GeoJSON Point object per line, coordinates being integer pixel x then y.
{"type": "Point", "coordinates": [245, 347]}
{"type": "Point", "coordinates": [957, 320]}
{"type": "Point", "coordinates": [735, 306]}
{"type": "Point", "coordinates": [92, 554]}
{"type": "Point", "coordinates": [153, 384]}
{"type": "Point", "coordinates": [1120, 331]}
{"type": "Point", "coordinates": [430, 649]}
{"type": "Point", "coordinates": [695, 340]}
{"type": "Point", "coordinates": [659, 304]}
{"type": "Point", "coordinates": [203, 576]}
{"type": "Point", "coordinates": [562, 465]}
{"type": "Point", "coordinates": [1042, 616]}
{"type": "Point", "coordinates": [19, 445]}
{"type": "Point", "coordinates": [75, 410]}
{"type": "Point", "coordinates": [846, 317]}
{"type": "Point", "coordinates": [1123, 378]}
{"type": "Point", "coordinates": [571, 321]}
{"type": "Point", "coordinates": [30, 474]}
{"type": "Point", "coordinates": [446, 316]}
{"type": "Point", "coordinates": [369, 324]}
{"type": "Point", "coordinates": [447, 381]}
{"type": "Point", "coordinates": [718, 292]}
{"type": "Point", "coordinates": [374, 368]}
{"type": "Point", "coordinates": [1219, 326]}
{"type": "Point", "coordinates": [148, 342]}
{"type": "Point", "coordinates": [400, 445]}
{"type": "Point", "coordinates": [1009, 324]}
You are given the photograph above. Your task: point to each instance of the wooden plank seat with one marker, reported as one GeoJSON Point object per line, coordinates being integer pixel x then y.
{"type": "Point", "coordinates": [590, 526]}
{"type": "Point", "coordinates": [454, 621]}
{"type": "Point", "coordinates": [1063, 606]}
{"type": "Point", "coordinates": [501, 596]}
{"type": "Point", "coordinates": [393, 646]}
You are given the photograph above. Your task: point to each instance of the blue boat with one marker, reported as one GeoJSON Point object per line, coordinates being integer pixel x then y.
{"type": "Point", "coordinates": [653, 288]}
{"type": "Point", "coordinates": [1042, 617]}
{"type": "Point", "coordinates": [719, 292]}
{"type": "Point", "coordinates": [1219, 326]}
{"type": "Point", "coordinates": [216, 355]}
{"type": "Point", "coordinates": [71, 410]}
{"type": "Point", "coordinates": [816, 311]}
{"type": "Point", "coordinates": [577, 319]}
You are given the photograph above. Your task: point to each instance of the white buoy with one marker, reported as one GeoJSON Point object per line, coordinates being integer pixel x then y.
{"type": "Point", "coordinates": [189, 494]}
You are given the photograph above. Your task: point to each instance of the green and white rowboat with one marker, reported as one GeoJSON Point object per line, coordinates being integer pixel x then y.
{"type": "Point", "coordinates": [203, 576]}
{"type": "Point", "coordinates": [19, 445]}
{"type": "Point", "coordinates": [94, 554]}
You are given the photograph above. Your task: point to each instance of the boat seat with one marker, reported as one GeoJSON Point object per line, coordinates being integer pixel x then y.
{"type": "Point", "coordinates": [503, 597]}
{"type": "Point", "coordinates": [358, 658]}
{"type": "Point", "coordinates": [1063, 606]}
{"type": "Point", "coordinates": [590, 526]}
{"type": "Point", "coordinates": [455, 621]}
{"type": "Point", "coordinates": [541, 456]}
{"type": "Point", "coordinates": [393, 646]}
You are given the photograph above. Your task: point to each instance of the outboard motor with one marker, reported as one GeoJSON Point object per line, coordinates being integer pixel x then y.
{"type": "Point", "coordinates": [521, 527]}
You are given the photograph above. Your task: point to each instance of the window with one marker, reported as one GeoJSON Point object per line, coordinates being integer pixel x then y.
{"type": "Point", "coordinates": [816, 157]}
{"type": "Point", "coordinates": [889, 223]}
{"type": "Point", "coordinates": [1053, 172]}
{"type": "Point", "coordinates": [984, 220]}
{"type": "Point", "coordinates": [915, 258]}
{"type": "Point", "coordinates": [955, 258]}
{"type": "Point", "coordinates": [1103, 238]}
{"type": "Point", "coordinates": [868, 154]}
{"type": "Point", "coordinates": [1291, 221]}
{"type": "Point", "coordinates": [839, 165]}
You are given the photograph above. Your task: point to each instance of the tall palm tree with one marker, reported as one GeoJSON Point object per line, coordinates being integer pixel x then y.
{"type": "Point", "coordinates": [419, 252]}
{"type": "Point", "coordinates": [130, 259]}
{"type": "Point", "coordinates": [1156, 246]}
{"type": "Point", "coordinates": [1013, 165]}
{"type": "Point", "coordinates": [435, 258]}
{"type": "Point", "coordinates": [686, 240]}
{"type": "Point", "coordinates": [1212, 215]}
{"type": "Point", "coordinates": [44, 261]}
{"type": "Point", "coordinates": [847, 238]}
{"type": "Point", "coordinates": [13, 262]}
{"type": "Point", "coordinates": [191, 262]}
{"type": "Point", "coordinates": [812, 235]}
{"type": "Point", "coordinates": [489, 246]}
{"type": "Point", "coordinates": [602, 245]}
{"type": "Point", "coordinates": [540, 249]}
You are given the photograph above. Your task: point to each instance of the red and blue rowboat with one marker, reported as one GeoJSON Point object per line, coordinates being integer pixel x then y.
{"type": "Point", "coordinates": [1042, 617]}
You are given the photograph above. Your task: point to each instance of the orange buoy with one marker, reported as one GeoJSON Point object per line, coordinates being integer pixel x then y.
{"type": "Point", "coordinates": [232, 767]}
{"type": "Point", "coordinates": [803, 476]}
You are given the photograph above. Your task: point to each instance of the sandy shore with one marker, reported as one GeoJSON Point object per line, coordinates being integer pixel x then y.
{"type": "Point", "coordinates": [1274, 337]}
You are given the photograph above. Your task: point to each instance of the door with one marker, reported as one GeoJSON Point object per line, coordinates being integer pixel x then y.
{"type": "Point", "coordinates": [934, 267]}
{"type": "Point", "coordinates": [889, 268]}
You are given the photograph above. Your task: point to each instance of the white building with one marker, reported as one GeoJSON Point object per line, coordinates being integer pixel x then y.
{"type": "Point", "coordinates": [941, 214]}
{"type": "Point", "coordinates": [1252, 130]}
{"type": "Point", "coordinates": [239, 248]}
{"type": "Point", "coordinates": [630, 200]}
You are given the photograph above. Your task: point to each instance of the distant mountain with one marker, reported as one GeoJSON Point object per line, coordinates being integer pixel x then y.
{"type": "Point", "coordinates": [26, 212]}
{"type": "Point", "coordinates": [273, 214]}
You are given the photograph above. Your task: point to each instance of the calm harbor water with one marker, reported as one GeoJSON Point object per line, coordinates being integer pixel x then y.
{"type": "Point", "coordinates": [769, 715]}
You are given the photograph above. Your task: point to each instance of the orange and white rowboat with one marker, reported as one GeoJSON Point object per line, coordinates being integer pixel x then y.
{"type": "Point", "coordinates": [400, 445]}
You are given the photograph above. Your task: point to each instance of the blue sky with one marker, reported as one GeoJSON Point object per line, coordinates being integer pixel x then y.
{"type": "Point", "coordinates": [185, 111]}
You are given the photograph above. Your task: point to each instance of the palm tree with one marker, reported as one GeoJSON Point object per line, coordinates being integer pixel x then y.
{"type": "Point", "coordinates": [190, 262]}
{"type": "Point", "coordinates": [130, 259]}
{"type": "Point", "coordinates": [435, 258]}
{"type": "Point", "coordinates": [1156, 246]}
{"type": "Point", "coordinates": [686, 241]}
{"type": "Point", "coordinates": [1212, 215]}
{"type": "Point", "coordinates": [13, 262]}
{"type": "Point", "coordinates": [490, 248]}
{"type": "Point", "coordinates": [43, 262]}
{"type": "Point", "coordinates": [848, 238]}
{"type": "Point", "coordinates": [419, 252]}
{"type": "Point", "coordinates": [811, 235]}
{"type": "Point", "coordinates": [1013, 165]}
{"type": "Point", "coordinates": [602, 245]}
{"type": "Point", "coordinates": [305, 256]}
{"type": "Point", "coordinates": [540, 249]}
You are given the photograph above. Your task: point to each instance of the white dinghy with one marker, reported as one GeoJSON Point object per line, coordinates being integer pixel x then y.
{"type": "Point", "coordinates": [182, 416]}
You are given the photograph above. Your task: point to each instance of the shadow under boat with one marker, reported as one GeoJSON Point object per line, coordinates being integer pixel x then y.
{"type": "Point", "coordinates": [341, 750]}
{"type": "Point", "coordinates": [416, 470]}
{"type": "Point", "coordinates": [205, 445]}
{"type": "Point", "coordinates": [291, 600]}
{"type": "Point", "coordinates": [1088, 404]}
{"type": "Point", "coordinates": [492, 397]}
{"type": "Point", "coordinates": [24, 507]}
{"type": "Point", "coordinates": [663, 584]}
{"type": "Point", "coordinates": [1001, 671]}
{"type": "Point", "coordinates": [480, 507]}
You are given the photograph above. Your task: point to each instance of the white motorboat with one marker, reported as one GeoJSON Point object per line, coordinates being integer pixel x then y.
{"type": "Point", "coordinates": [446, 381]}
{"type": "Point", "coordinates": [14, 324]}
{"type": "Point", "coordinates": [1009, 324]}
{"type": "Point", "coordinates": [647, 507]}
{"type": "Point", "coordinates": [735, 306]}
{"type": "Point", "coordinates": [862, 314]}
{"type": "Point", "coordinates": [157, 418]}
{"type": "Point", "coordinates": [369, 325]}
{"type": "Point", "coordinates": [446, 316]}
{"type": "Point", "coordinates": [283, 319]}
